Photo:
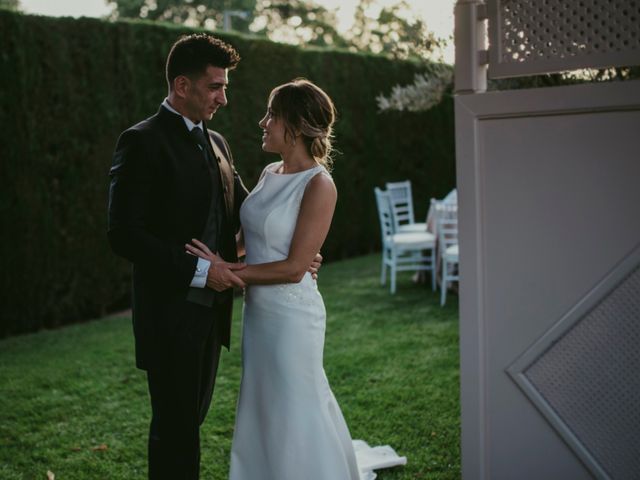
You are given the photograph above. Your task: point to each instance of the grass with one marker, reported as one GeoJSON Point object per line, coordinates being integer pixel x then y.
{"type": "Point", "coordinates": [72, 401]}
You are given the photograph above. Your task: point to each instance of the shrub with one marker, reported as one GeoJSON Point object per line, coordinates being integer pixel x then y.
{"type": "Point", "coordinates": [68, 88]}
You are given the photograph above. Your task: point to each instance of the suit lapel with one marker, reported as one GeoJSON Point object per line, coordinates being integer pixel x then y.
{"type": "Point", "coordinates": [224, 164]}
{"type": "Point", "coordinates": [226, 174]}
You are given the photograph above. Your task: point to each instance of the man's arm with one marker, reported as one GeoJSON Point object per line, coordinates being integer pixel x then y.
{"type": "Point", "coordinates": [131, 202]}
{"type": "Point", "coordinates": [314, 220]}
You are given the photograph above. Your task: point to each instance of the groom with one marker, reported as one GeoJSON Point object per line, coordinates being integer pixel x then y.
{"type": "Point", "coordinates": [172, 180]}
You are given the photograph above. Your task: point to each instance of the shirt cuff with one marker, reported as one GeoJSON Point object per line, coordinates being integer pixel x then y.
{"type": "Point", "coordinates": [199, 279]}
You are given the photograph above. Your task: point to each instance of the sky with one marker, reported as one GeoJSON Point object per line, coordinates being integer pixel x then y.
{"type": "Point", "coordinates": [437, 13]}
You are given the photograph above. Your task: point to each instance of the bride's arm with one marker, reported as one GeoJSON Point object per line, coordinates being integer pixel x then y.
{"type": "Point", "coordinates": [312, 226]}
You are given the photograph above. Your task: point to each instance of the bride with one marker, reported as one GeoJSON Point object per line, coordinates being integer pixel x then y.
{"type": "Point", "coordinates": [288, 424]}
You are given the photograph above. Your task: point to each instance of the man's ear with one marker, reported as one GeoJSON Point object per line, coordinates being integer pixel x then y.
{"type": "Point", "coordinates": [181, 85]}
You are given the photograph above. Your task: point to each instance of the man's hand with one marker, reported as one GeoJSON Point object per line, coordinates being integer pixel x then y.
{"type": "Point", "coordinates": [220, 275]}
{"type": "Point", "coordinates": [315, 266]}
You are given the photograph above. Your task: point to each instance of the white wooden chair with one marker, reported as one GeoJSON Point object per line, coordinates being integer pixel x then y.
{"type": "Point", "coordinates": [402, 251]}
{"type": "Point", "coordinates": [449, 254]}
{"type": "Point", "coordinates": [401, 199]}
{"type": "Point", "coordinates": [440, 209]}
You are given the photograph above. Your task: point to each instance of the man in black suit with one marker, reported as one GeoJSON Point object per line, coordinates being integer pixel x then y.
{"type": "Point", "coordinates": [173, 180]}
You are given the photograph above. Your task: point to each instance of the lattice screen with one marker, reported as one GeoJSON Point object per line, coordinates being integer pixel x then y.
{"type": "Point", "coordinates": [539, 36]}
{"type": "Point", "coordinates": [591, 379]}
{"type": "Point", "coordinates": [583, 375]}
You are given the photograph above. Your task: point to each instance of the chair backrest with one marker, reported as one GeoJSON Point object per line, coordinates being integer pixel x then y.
{"type": "Point", "coordinates": [451, 197]}
{"type": "Point", "coordinates": [384, 215]}
{"type": "Point", "coordinates": [447, 233]}
{"type": "Point", "coordinates": [440, 209]}
{"type": "Point", "coordinates": [401, 199]}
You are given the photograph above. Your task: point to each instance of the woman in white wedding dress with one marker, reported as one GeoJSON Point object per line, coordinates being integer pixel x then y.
{"type": "Point", "coordinates": [289, 425]}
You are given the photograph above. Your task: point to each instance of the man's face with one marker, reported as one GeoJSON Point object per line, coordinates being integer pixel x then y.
{"type": "Point", "coordinates": [205, 94]}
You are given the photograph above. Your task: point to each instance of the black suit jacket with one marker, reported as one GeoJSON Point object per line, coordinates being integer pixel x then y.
{"type": "Point", "coordinates": [159, 199]}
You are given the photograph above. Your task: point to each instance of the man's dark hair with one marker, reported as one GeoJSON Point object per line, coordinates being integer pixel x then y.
{"type": "Point", "coordinates": [192, 54]}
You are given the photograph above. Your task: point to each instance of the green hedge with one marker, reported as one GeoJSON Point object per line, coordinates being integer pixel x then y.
{"type": "Point", "coordinates": [69, 87]}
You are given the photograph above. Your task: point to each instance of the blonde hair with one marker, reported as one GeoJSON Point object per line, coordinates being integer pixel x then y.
{"type": "Point", "coordinates": [307, 110]}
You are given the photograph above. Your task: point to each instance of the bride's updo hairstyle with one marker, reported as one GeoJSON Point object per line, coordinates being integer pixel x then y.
{"type": "Point", "coordinates": [305, 109]}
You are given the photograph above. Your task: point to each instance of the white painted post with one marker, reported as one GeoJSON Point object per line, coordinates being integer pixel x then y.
{"type": "Point", "coordinates": [471, 46]}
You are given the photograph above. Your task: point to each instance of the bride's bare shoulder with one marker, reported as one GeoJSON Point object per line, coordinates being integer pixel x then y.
{"type": "Point", "coordinates": [321, 186]}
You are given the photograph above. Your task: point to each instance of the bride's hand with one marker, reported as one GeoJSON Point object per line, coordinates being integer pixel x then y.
{"type": "Point", "coordinates": [316, 263]}
{"type": "Point", "coordinates": [199, 249]}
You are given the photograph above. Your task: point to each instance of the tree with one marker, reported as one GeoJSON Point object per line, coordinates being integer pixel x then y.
{"type": "Point", "coordinates": [394, 32]}
{"type": "Point", "coordinates": [391, 31]}
{"type": "Point", "coordinates": [194, 13]}
{"type": "Point", "coordinates": [10, 4]}
{"type": "Point", "coordinates": [301, 22]}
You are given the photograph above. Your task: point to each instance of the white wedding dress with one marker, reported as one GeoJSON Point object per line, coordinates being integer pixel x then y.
{"type": "Point", "coordinates": [288, 423]}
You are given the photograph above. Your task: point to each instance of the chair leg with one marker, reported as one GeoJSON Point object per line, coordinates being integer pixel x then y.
{"type": "Point", "coordinates": [433, 269]}
{"type": "Point", "coordinates": [383, 272]}
{"type": "Point", "coordinates": [443, 285]}
{"type": "Point", "coordinates": [393, 272]}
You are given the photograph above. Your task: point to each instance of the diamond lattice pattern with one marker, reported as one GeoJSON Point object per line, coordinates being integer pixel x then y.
{"type": "Point", "coordinates": [590, 378]}
{"type": "Point", "coordinates": [558, 29]}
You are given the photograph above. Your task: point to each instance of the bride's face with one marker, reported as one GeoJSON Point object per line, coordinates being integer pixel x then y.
{"type": "Point", "coordinates": [273, 136]}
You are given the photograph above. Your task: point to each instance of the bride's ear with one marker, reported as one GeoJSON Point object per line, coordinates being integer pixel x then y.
{"type": "Point", "coordinates": [296, 136]}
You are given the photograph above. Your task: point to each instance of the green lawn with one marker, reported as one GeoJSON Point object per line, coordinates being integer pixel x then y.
{"type": "Point", "coordinates": [72, 401]}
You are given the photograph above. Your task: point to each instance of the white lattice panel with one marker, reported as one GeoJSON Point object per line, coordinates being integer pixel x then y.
{"type": "Point", "coordinates": [541, 36]}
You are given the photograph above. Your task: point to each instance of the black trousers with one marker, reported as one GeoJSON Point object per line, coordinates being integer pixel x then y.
{"type": "Point", "coordinates": [181, 389]}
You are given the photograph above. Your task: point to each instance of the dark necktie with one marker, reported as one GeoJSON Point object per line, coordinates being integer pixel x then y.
{"type": "Point", "coordinates": [201, 140]}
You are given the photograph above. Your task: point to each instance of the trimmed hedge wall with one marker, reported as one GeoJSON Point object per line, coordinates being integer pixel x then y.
{"type": "Point", "coordinates": [69, 87]}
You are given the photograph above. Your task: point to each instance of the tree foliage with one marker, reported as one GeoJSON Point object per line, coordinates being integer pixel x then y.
{"type": "Point", "coordinates": [193, 13]}
{"type": "Point", "coordinates": [10, 4]}
{"type": "Point", "coordinates": [394, 32]}
{"type": "Point", "coordinates": [299, 22]}
{"type": "Point", "coordinates": [427, 90]}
